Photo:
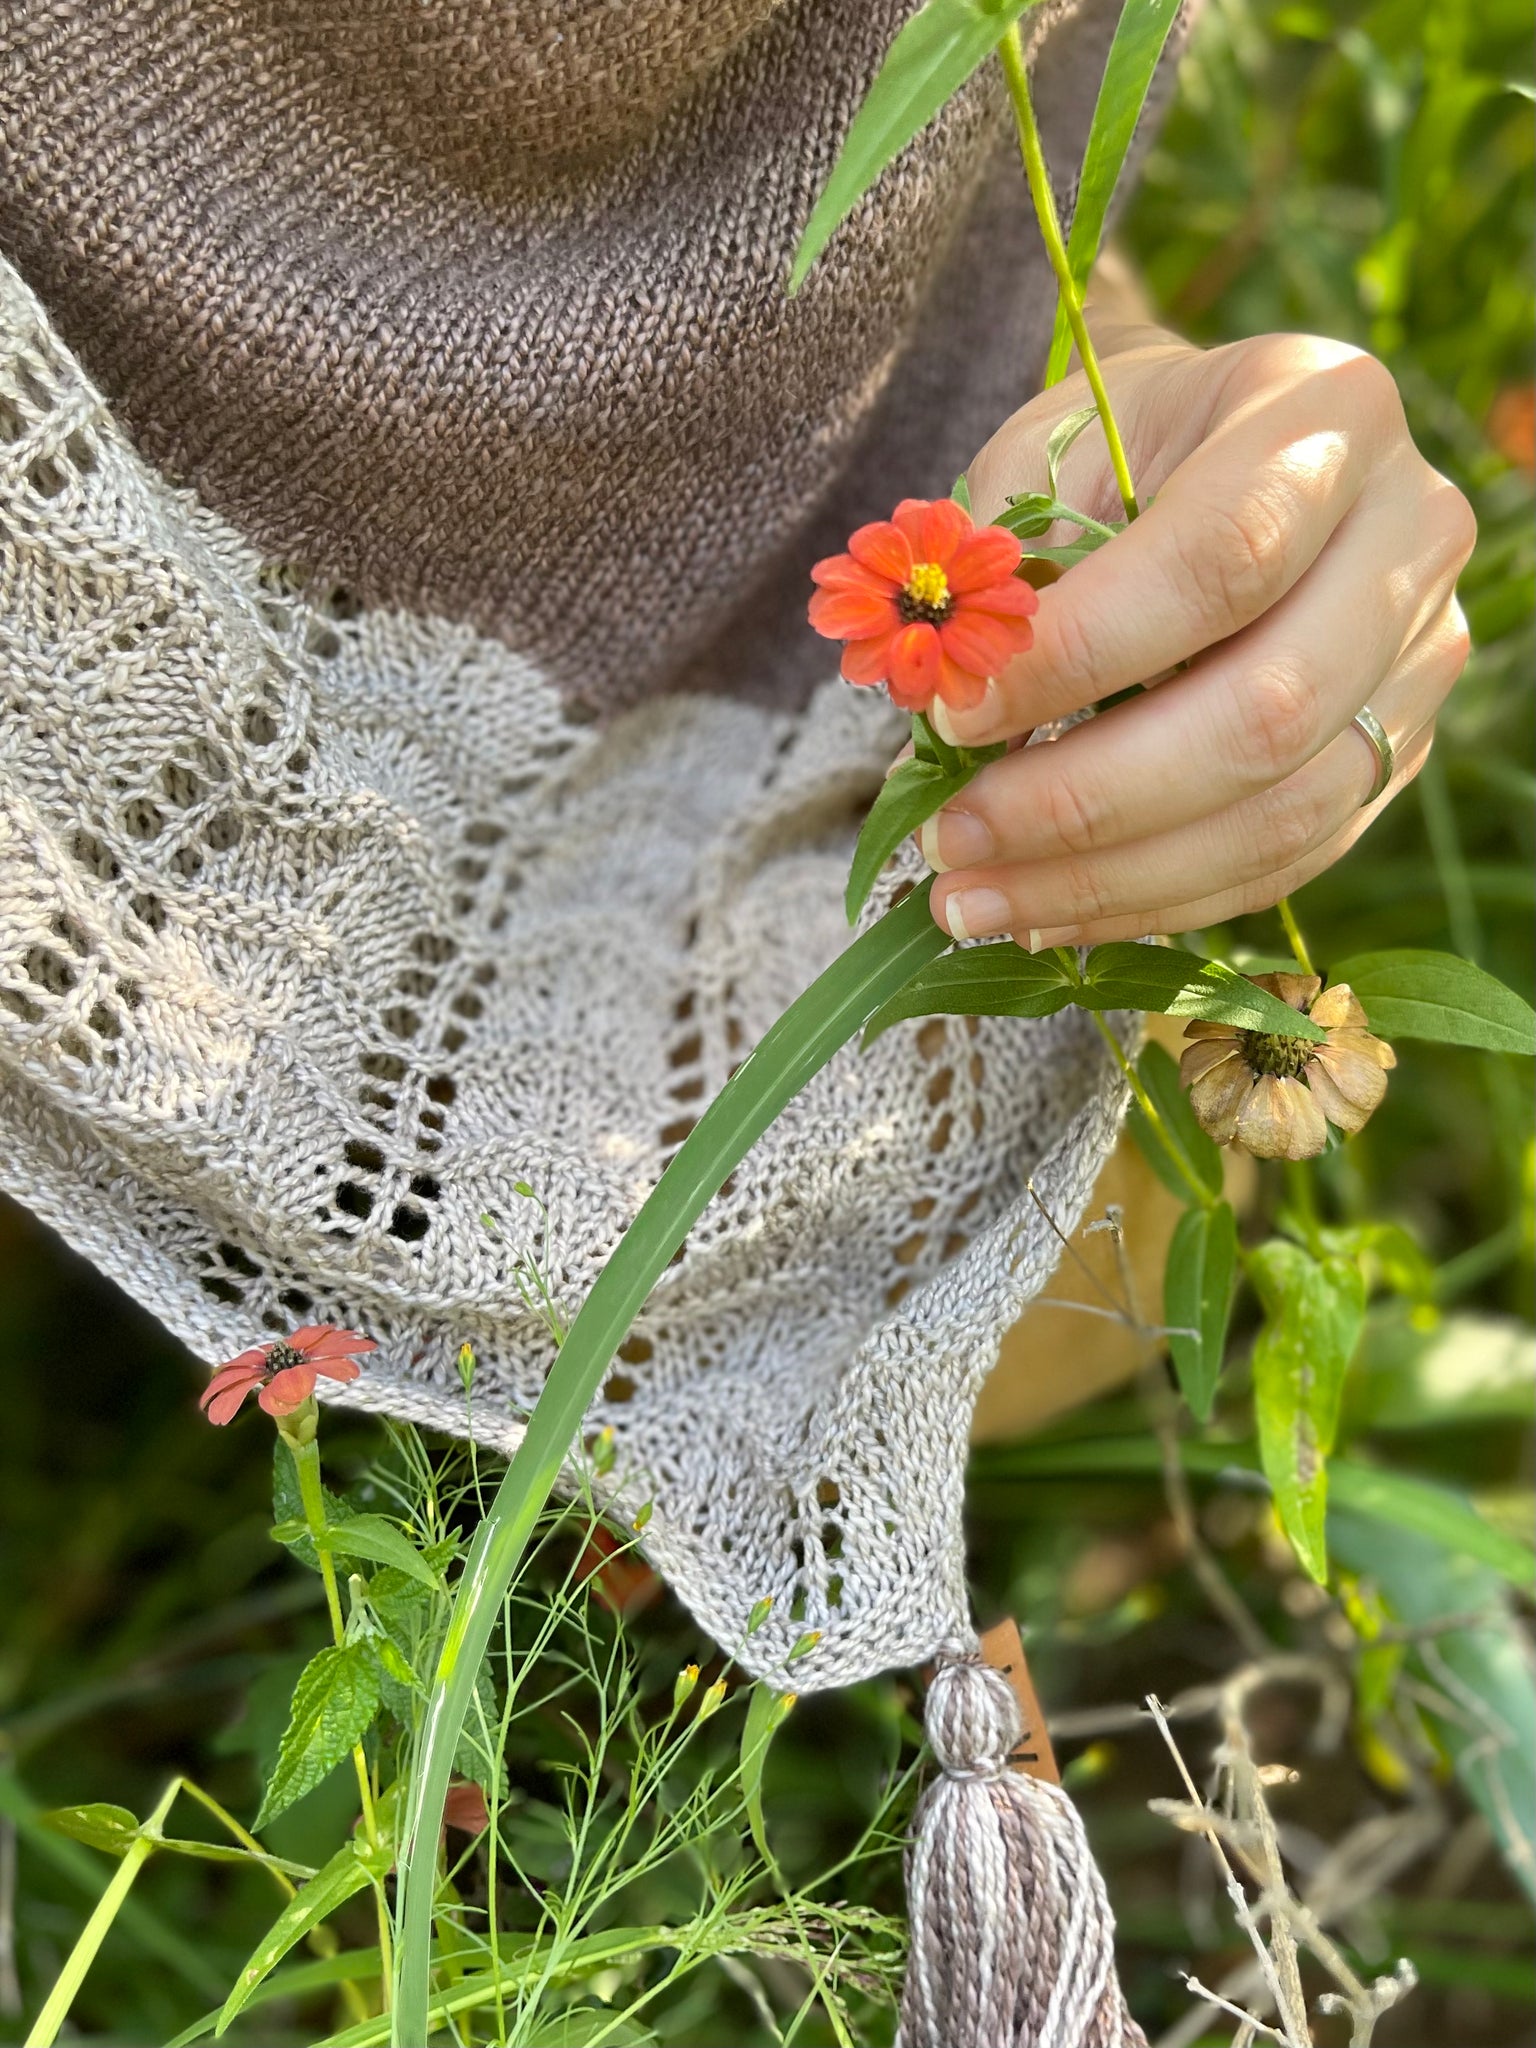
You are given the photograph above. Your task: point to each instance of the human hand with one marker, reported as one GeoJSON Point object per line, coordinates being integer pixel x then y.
{"type": "Point", "coordinates": [1300, 557]}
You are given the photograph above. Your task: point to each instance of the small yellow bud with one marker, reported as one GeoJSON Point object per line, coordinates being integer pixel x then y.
{"type": "Point", "coordinates": [714, 1698]}
{"type": "Point", "coordinates": [686, 1680]}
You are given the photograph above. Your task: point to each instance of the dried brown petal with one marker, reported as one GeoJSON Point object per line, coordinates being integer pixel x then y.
{"type": "Point", "coordinates": [1295, 989]}
{"type": "Point", "coordinates": [1338, 1006]}
{"type": "Point", "coordinates": [1281, 1121]}
{"type": "Point", "coordinates": [1365, 1042]}
{"type": "Point", "coordinates": [1348, 1086]}
{"type": "Point", "coordinates": [1203, 1027]}
{"type": "Point", "coordinates": [1218, 1095]}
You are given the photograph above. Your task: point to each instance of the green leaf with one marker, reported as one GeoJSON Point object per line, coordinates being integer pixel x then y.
{"type": "Point", "coordinates": [1315, 1312]}
{"type": "Point", "coordinates": [795, 1048]}
{"type": "Point", "coordinates": [1197, 1297]}
{"type": "Point", "coordinates": [1166, 979]}
{"type": "Point", "coordinates": [766, 1711]}
{"type": "Point", "coordinates": [962, 493]}
{"type": "Point", "coordinates": [292, 1528]}
{"type": "Point", "coordinates": [1128, 74]}
{"type": "Point", "coordinates": [112, 1828]}
{"type": "Point", "coordinates": [381, 1542]}
{"type": "Point", "coordinates": [1434, 1511]}
{"type": "Point", "coordinates": [1412, 994]}
{"type": "Point", "coordinates": [1409, 1503]}
{"type": "Point", "coordinates": [1063, 434]}
{"type": "Point", "coordinates": [1158, 1073]}
{"type": "Point", "coordinates": [1482, 1673]}
{"type": "Point", "coordinates": [334, 1704]}
{"type": "Point", "coordinates": [983, 981]}
{"type": "Point", "coordinates": [909, 797]}
{"type": "Point", "coordinates": [931, 58]}
{"type": "Point", "coordinates": [331, 1886]}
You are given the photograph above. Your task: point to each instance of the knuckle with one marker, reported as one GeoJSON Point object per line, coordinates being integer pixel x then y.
{"type": "Point", "coordinates": [1363, 388]}
{"type": "Point", "coordinates": [1069, 818]}
{"type": "Point", "coordinates": [1280, 720]}
{"type": "Point", "coordinates": [1088, 890]}
{"type": "Point", "coordinates": [1236, 560]}
{"type": "Point", "coordinates": [1291, 825]}
{"type": "Point", "coordinates": [1455, 521]}
{"type": "Point", "coordinates": [1069, 644]}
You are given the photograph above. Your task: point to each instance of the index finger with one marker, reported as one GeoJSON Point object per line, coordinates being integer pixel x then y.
{"type": "Point", "coordinates": [1233, 528]}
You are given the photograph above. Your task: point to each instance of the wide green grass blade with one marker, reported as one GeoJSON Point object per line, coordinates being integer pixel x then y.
{"type": "Point", "coordinates": [1133, 57]}
{"type": "Point", "coordinates": [811, 1030]}
{"type": "Point", "coordinates": [927, 64]}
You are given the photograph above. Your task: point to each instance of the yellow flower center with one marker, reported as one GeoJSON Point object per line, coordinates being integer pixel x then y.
{"type": "Point", "coordinates": [928, 585]}
{"type": "Point", "coordinates": [925, 595]}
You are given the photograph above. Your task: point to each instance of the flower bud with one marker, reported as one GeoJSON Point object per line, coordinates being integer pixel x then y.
{"type": "Point", "coordinates": [683, 1685]}
{"type": "Point", "coordinates": [713, 1700]}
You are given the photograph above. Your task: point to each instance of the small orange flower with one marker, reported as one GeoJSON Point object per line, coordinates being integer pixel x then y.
{"type": "Point", "coordinates": [927, 603]}
{"type": "Point", "coordinates": [1275, 1096]}
{"type": "Point", "coordinates": [282, 1375]}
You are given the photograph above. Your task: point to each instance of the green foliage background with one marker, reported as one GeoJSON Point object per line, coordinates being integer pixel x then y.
{"type": "Point", "coordinates": [1358, 171]}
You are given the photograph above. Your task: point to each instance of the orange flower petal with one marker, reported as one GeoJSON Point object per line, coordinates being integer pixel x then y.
{"type": "Point", "coordinates": [982, 644]}
{"type": "Point", "coordinates": [990, 554]}
{"type": "Point", "coordinates": [961, 688]}
{"type": "Point", "coordinates": [1013, 599]}
{"type": "Point", "coordinates": [866, 662]}
{"type": "Point", "coordinates": [883, 548]}
{"type": "Point", "coordinates": [935, 527]}
{"type": "Point", "coordinates": [287, 1390]}
{"type": "Point", "coordinates": [842, 572]}
{"type": "Point", "coordinates": [332, 1343]}
{"type": "Point", "coordinates": [338, 1368]}
{"type": "Point", "coordinates": [851, 615]}
{"type": "Point", "coordinates": [222, 1398]}
{"type": "Point", "coordinates": [916, 663]}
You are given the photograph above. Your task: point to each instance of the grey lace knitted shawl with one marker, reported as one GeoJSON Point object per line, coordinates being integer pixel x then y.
{"type": "Point", "coordinates": [416, 779]}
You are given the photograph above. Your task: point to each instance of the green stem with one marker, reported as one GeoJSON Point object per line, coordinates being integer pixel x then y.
{"type": "Point", "coordinates": [1199, 1193]}
{"type": "Point", "coordinates": [67, 1984]}
{"type": "Point", "coordinates": [1016, 71]}
{"type": "Point", "coordinates": [1293, 933]}
{"type": "Point", "coordinates": [306, 1459]}
{"type": "Point", "coordinates": [832, 1010]}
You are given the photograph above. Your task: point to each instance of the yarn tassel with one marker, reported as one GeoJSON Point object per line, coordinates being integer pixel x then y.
{"type": "Point", "coordinates": [1012, 1936]}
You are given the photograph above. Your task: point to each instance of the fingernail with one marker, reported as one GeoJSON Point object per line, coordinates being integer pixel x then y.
{"type": "Point", "coordinates": [954, 839]}
{"type": "Point", "coordinates": [1053, 935]}
{"type": "Point", "coordinates": [977, 913]}
{"type": "Point", "coordinates": [973, 723]}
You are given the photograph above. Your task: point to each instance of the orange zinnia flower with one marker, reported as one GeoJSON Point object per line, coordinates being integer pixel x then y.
{"type": "Point", "coordinates": [282, 1375]}
{"type": "Point", "coordinates": [927, 603]}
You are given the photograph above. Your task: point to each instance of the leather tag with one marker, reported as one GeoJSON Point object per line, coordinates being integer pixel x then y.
{"type": "Point", "coordinates": [1003, 1649]}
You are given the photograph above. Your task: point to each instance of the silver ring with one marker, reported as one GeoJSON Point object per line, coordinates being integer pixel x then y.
{"type": "Point", "coordinates": [1371, 729]}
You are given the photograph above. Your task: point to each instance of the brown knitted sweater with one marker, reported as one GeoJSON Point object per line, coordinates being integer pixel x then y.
{"type": "Point", "coordinates": [478, 306]}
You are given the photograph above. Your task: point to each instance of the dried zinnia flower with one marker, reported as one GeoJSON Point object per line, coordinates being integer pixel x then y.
{"type": "Point", "coordinates": [927, 603]}
{"type": "Point", "coordinates": [282, 1375]}
{"type": "Point", "coordinates": [1275, 1096]}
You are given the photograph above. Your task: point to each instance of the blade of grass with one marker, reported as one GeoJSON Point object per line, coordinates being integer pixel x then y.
{"type": "Point", "coordinates": [832, 1010]}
